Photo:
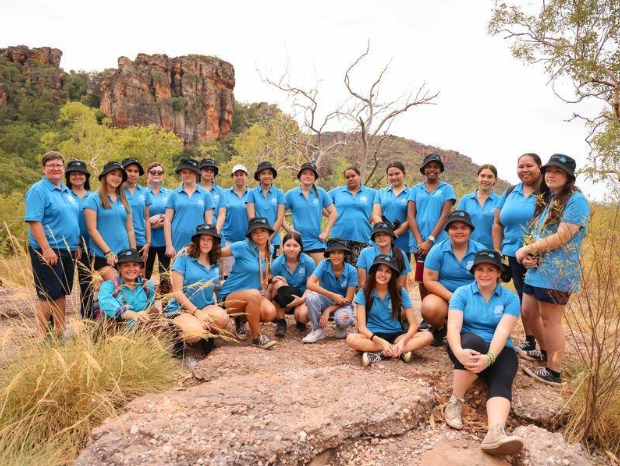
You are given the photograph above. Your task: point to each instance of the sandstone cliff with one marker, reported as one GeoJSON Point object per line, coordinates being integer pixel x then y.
{"type": "Point", "coordinates": [191, 95]}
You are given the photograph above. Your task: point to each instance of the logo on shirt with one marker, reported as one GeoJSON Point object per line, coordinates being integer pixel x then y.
{"type": "Point", "coordinates": [201, 202]}
{"type": "Point", "coordinates": [165, 199]}
{"type": "Point", "coordinates": [274, 200]}
{"type": "Point", "coordinates": [403, 200]}
{"type": "Point", "coordinates": [142, 197]}
{"type": "Point", "coordinates": [437, 192]}
{"type": "Point", "coordinates": [363, 199]}
{"type": "Point", "coordinates": [70, 199]}
{"type": "Point", "coordinates": [469, 264]}
{"type": "Point", "coordinates": [344, 283]}
{"type": "Point", "coordinates": [315, 201]}
{"type": "Point", "coordinates": [498, 310]}
{"type": "Point", "coordinates": [302, 271]}
{"type": "Point", "coordinates": [216, 197]}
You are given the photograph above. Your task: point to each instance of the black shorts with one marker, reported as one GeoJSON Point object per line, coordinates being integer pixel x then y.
{"type": "Point", "coordinates": [313, 251]}
{"type": "Point", "coordinates": [284, 296]}
{"type": "Point", "coordinates": [100, 262]}
{"type": "Point", "coordinates": [517, 272]}
{"type": "Point", "coordinates": [389, 337]}
{"type": "Point", "coordinates": [547, 295]}
{"type": "Point", "coordinates": [52, 281]}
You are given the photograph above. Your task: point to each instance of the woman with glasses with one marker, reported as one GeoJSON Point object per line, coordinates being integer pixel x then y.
{"type": "Point", "coordinates": [159, 196]}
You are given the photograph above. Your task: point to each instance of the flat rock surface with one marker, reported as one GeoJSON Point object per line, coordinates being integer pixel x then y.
{"type": "Point", "coordinates": [544, 448]}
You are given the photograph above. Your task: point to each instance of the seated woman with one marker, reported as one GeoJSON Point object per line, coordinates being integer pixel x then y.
{"type": "Point", "coordinates": [244, 289]}
{"type": "Point", "coordinates": [291, 272]}
{"type": "Point", "coordinates": [383, 236]}
{"type": "Point", "coordinates": [195, 274]}
{"type": "Point", "coordinates": [446, 267]}
{"type": "Point", "coordinates": [482, 316]}
{"type": "Point", "coordinates": [332, 288]}
{"type": "Point", "coordinates": [128, 297]}
{"type": "Point", "coordinates": [378, 308]}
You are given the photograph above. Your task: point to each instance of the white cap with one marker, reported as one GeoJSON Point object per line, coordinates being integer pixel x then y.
{"type": "Point", "coordinates": [238, 167]}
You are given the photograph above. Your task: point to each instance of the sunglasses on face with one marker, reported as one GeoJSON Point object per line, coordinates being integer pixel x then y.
{"type": "Point", "coordinates": [156, 172]}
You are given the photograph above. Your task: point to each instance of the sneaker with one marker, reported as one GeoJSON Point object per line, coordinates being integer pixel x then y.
{"type": "Point", "coordinates": [371, 358]}
{"type": "Point", "coordinates": [438, 336]}
{"type": "Point", "coordinates": [533, 355]}
{"type": "Point", "coordinates": [453, 412]}
{"type": "Point", "coordinates": [240, 329]}
{"type": "Point", "coordinates": [300, 326]}
{"type": "Point", "coordinates": [406, 357]}
{"type": "Point", "coordinates": [543, 375]}
{"type": "Point", "coordinates": [280, 327]}
{"type": "Point", "coordinates": [424, 325]}
{"type": "Point", "coordinates": [524, 346]}
{"type": "Point", "coordinates": [341, 332]}
{"type": "Point", "coordinates": [498, 442]}
{"type": "Point", "coordinates": [314, 336]}
{"type": "Point", "coordinates": [261, 341]}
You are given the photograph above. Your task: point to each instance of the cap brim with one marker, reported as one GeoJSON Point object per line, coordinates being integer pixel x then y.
{"type": "Point", "coordinates": [373, 267]}
{"type": "Point", "coordinates": [469, 224]}
{"type": "Point", "coordinates": [328, 251]}
{"type": "Point", "coordinates": [316, 175]}
{"type": "Point", "coordinates": [387, 232]}
{"type": "Point", "coordinates": [556, 164]}
{"type": "Point", "coordinates": [258, 227]}
{"type": "Point", "coordinates": [486, 261]}
{"type": "Point", "coordinates": [431, 161]}
{"type": "Point", "coordinates": [205, 233]}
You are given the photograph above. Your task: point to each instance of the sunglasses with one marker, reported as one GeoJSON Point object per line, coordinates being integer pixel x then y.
{"type": "Point", "coordinates": [156, 172]}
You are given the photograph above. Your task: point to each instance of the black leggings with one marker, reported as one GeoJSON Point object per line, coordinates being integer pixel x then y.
{"type": "Point", "coordinates": [500, 375]}
{"type": "Point", "coordinates": [518, 275]}
{"type": "Point", "coordinates": [164, 261]}
{"type": "Point", "coordinates": [85, 279]}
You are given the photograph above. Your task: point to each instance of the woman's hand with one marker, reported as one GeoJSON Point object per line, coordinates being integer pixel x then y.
{"type": "Point", "coordinates": [522, 253]}
{"type": "Point", "coordinates": [424, 247]}
{"type": "Point", "coordinates": [170, 251]}
{"type": "Point", "coordinates": [340, 300]}
{"type": "Point", "coordinates": [394, 350]}
{"type": "Point", "coordinates": [137, 316]}
{"type": "Point", "coordinates": [325, 316]}
{"type": "Point", "coordinates": [145, 251]}
{"type": "Point", "coordinates": [295, 302]}
{"type": "Point", "coordinates": [477, 364]}
{"type": "Point", "coordinates": [465, 356]}
{"type": "Point", "coordinates": [530, 262]}
{"type": "Point", "coordinates": [322, 237]}
{"type": "Point", "coordinates": [111, 259]}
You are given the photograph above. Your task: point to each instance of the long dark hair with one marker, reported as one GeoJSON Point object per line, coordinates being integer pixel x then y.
{"type": "Point", "coordinates": [559, 202]}
{"type": "Point", "coordinates": [393, 290]}
{"type": "Point", "coordinates": [296, 237]}
{"type": "Point", "coordinates": [193, 250]}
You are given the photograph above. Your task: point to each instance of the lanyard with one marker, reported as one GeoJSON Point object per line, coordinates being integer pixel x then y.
{"type": "Point", "coordinates": [264, 279]}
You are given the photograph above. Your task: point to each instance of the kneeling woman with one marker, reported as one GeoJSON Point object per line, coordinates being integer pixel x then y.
{"type": "Point", "coordinates": [248, 281]}
{"type": "Point", "coordinates": [378, 308]}
{"type": "Point", "coordinates": [128, 297]}
{"type": "Point", "coordinates": [482, 316]}
{"type": "Point", "coordinates": [195, 275]}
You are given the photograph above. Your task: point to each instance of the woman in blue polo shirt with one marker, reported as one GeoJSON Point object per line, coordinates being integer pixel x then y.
{"type": "Point", "coordinates": [428, 208]}
{"type": "Point", "coordinates": [106, 212]}
{"type": "Point", "coordinates": [188, 206]}
{"type": "Point", "coordinates": [332, 288]}
{"type": "Point", "coordinates": [391, 205]}
{"type": "Point", "coordinates": [244, 290]}
{"type": "Point", "coordinates": [354, 203]}
{"type": "Point", "coordinates": [195, 275]}
{"type": "Point", "coordinates": [159, 197]}
{"type": "Point", "coordinates": [378, 308]}
{"type": "Point", "coordinates": [291, 272]}
{"type": "Point", "coordinates": [140, 201]}
{"type": "Point", "coordinates": [482, 316]}
{"type": "Point", "coordinates": [383, 237]}
{"type": "Point", "coordinates": [446, 267]}
{"type": "Point", "coordinates": [265, 200]}
{"type": "Point", "coordinates": [512, 214]}
{"type": "Point", "coordinates": [208, 172]}
{"type": "Point", "coordinates": [53, 241]}
{"type": "Point", "coordinates": [481, 205]}
{"type": "Point", "coordinates": [552, 261]}
{"type": "Point", "coordinates": [236, 223]}
{"type": "Point", "coordinates": [306, 203]}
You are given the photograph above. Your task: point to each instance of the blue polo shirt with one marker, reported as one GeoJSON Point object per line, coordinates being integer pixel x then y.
{"type": "Point", "coordinates": [115, 299]}
{"type": "Point", "coordinates": [139, 201]}
{"type": "Point", "coordinates": [452, 273]}
{"type": "Point", "coordinates": [111, 224]}
{"type": "Point", "coordinates": [199, 282]}
{"type": "Point", "coordinates": [219, 199]}
{"type": "Point", "coordinates": [245, 273]}
{"type": "Point", "coordinates": [299, 276]}
{"type": "Point", "coordinates": [57, 211]}
{"type": "Point", "coordinates": [428, 209]}
{"type": "Point", "coordinates": [395, 208]}
{"type": "Point", "coordinates": [236, 223]}
{"type": "Point", "coordinates": [367, 255]}
{"type": "Point", "coordinates": [158, 207]}
{"type": "Point", "coordinates": [328, 280]}
{"type": "Point", "coordinates": [481, 216]}
{"type": "Point", "coordinates": [516, 210]}
{"type": "Point", "coordinates": [559, 269]}
{"type": "Point", "coordinates": [354, 212]}
{"type": "Point", "coordinates": [482, 318]}
{"type": "Point", "coordinates": [189, 212]}
{"type": "Point", "coordinates": [84, 236]}
{"type": "Point", "coordinates": [267, 206]}
{"type": "Point", "coordinates": [379, 318]}
{"type": "Point", "coordinates": [308, 214]}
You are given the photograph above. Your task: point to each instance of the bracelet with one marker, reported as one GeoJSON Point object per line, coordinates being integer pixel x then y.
{"type": "Point", "coordinates": [105, 254]}
{"type": "Point", "coordinates": [371, 336]}
{"type": "Point", "coordinates": [493, 357]}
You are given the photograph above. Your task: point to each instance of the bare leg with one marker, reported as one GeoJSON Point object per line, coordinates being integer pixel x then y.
{"type": "Point", "coordinates": [554, 334]}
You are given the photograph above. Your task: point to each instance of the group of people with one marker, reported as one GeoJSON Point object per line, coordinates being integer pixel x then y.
{"type": "Point", "coordinates": [346, 256]}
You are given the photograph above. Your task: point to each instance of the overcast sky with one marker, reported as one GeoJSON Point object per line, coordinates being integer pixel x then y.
{"type": "Point", "coordinates": [491, 107]}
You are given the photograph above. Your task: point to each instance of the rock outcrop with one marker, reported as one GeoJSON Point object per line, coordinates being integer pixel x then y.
{"type": "Point", "coordinates": [191, 95]}
{"type": "Point", "coordinates": [544, 448]}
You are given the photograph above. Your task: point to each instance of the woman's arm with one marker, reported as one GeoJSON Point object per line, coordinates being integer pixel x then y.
{"type": "Point", "coordinates": [182, 299]}
{"type": "Point", "coordinates": [221, 218]}
{"type": "Point", "coordinates": [209, 216]}
{"type": "Point", "coordinates": [39, 235]}
{"type": "Point", "coordinates": [331, 219]}
{"type": "Point", "coordinates": [554, 241]}
{"type": "Point", "coordinates": [131, 235]}
{"type": "Point", "coordinates": [250, 209]}
{"type": "Point", "coordinates": [226, 252]}
{"type": "Point", "coordinates": [314, 285]}
{"type": "Point", "coordinates": [90, 217]}
{"type": "Point", "coordinates": [361, 277]}
{"type": "Point", "coordinates": [497, 232]}
{"type": "Point", "coordinates": [413, 225]}
{"type": "Point", "coordinates": [170, 252]}
{"type": "Point", "coordinates": [279, 220]}
{"type": "Point", "coordinates": [502, 332]}
{"type": "Point", "coordinates": [432, 284]}
{"type": "Point", "coordinates": [441, 223]}
{"type": "Point", "coordinates": [377, 212]}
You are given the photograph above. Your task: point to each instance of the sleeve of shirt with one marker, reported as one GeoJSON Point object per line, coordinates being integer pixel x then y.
{"type": "Point", "coordinates": [276, 266]}
{"type": "Point", "coordinates": [352, 277]}
{"type": "Point", "coordinates": [433, 258]}
{"type": "Point", "coordinates": [326, 198]}
{"type": "Point", "coordinates": [280, 196]}
{"type": "Point", "coordinates": [250, 197]}
{"type": "Point", "coordinates": [362, 260]}
{"type": "Point", "coordinates": [91, 203]}
{"type": "Point", "coordinates": [406, 303]}
{"type": "Point", "coordinates": [379, 196]}
{"type": "Point", "coordinates": [407, 269]}
{"type": "Point", "coordinates": [180, 264]}
{"type": "Point", "coordinates": [360, 298]}
{"type": "Point", "coordinates": [458, 300]}
{"type": "Point", "coordinates": [318, 271]}
{"type": "Point", "coordinates": [513, 305]}
{"type": "Point", "coordinates": [148, 199]}
{"type": "Point", "coordinates": [372, 195]}
{"type": "Point", "coordinates": [237, 248]}
{"type": "Point", "coordinates": [223, 198]}
{"type": "Point", "coordinates": [35, 205]}
{"type": "Point", "coordinates": [287, 200]}
{"type": "Point", "coordinates": [171, 202]}
{"type": "Point", "coordinates": [449, 194]}
{"type": "Point", "coordinates": [577, 210]}
{"type": "Point", "coordinates": [209, 204]}
{"type": "Point", "coordinates": [462, 203]}
{"type": "Point", "coordinates": [108, 304]}
{"type": "Point", "coordinates": [310, 267]}
{"type": "Point", "coordinates": [412, 194]}
{"type": "Point", "coordinates": [502, 200]}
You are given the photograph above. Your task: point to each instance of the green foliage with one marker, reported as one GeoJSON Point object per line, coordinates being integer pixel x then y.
{"type": "Point", "coordinates": [178, 103]}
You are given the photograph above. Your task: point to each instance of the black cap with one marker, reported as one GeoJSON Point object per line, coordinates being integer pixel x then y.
{"type": "Point", "coordinates": [265, 166]}
{"type": "Point", "coordinates": [204, 163]}
{"type": "Point", "coordinates": [310, 166]}
{"type": "Point", "coordinates": [431, 158]}
{"type": "Point", "coordinates": [335, 244]}
{"type": "Point", "coordinates": [206, 229]}
{"type": "Point", "coordinates": [383, 227]}
{"type": "Point", "coordinates": [133, 161]}
{"type": "Point", "coordinates": [386, 260]}
{"type": "Point", "coordinates": [257, 223]}
{"type": "Point", "coordinates": [562, 161]}
{"type": "Point", "coordinates": [111, 166]}
{"type": "Point", "coordinates": [188, 164]}
{"type": "Point", "coordinates": [77, 166]}
{"type": "Point", "coordinates": [488, 256]}
{"type": "Point", "coordinates": [129, 255]}
{"type": "Point", "coordinates": [459, 216]}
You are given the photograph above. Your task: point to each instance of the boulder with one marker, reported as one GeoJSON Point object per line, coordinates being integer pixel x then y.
{"type": "Point", "coordinates": [460, 453]}
{"type": "Point", "coordinates": [544, 448]}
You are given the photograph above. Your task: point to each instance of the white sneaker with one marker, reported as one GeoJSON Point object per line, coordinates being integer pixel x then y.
{"type": "Point", "coordinates": [315, 335]}
{"type": "Point", "coordinates": [341, 332]}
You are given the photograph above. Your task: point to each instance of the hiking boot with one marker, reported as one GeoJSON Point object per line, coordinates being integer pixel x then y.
{"type": "Point", "coordinates": [341, 332]}
{"type": "Point", "coordinates": [280, 327]}
{"type": "Point", "coordinates": [261, 341]}
{"type": "Point", "coordinates": [438, 336]}
{"type": "Point", "coordinates": [498, 442]}
{"type": "Point", "coordinates": [406, 357]}
{"type": "Point", "coordinates": [543, 375]}
{"type": "Point", "coordinates": [533, 355]}
{"type": "Point", "coordinates": [524, 346]}
{"type": "Point", "coordinates": [300, 326]}
{"type": "Point", "coordinates": [240, 329]}
{"type": "Point", "coordinates": [453, 412]}
{"type": "Point", "coordinates": [424, 325]}
{"type": "Point", "coordinates": [371, 358]}
{"type": "Point", "coordinates": [314, 336]}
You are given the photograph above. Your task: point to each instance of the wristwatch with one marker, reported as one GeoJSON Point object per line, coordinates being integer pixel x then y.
{"type": "Point", "coordinates": [431, 238]}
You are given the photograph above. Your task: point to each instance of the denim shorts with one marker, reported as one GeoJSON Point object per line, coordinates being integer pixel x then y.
{"type": "Point", "coordinates": [547, 295]}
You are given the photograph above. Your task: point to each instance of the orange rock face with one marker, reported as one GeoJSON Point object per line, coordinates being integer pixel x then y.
{"type": "Point", "coordinates": [191, 95]}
